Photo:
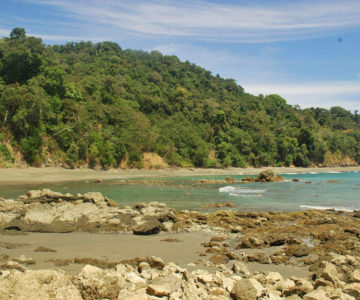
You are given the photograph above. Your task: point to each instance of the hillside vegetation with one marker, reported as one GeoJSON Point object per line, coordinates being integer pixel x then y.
{"type": "Point", "coordinates": [99, 105]}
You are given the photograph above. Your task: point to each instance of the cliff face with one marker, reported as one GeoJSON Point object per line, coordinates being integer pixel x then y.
{"type": "Point", "coordinates": [338, 160]}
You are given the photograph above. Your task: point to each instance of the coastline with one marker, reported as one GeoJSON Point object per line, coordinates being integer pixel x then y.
{"type": "Point", "coordinates": [17, 176]}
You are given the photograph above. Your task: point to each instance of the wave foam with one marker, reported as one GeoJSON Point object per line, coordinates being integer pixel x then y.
{"type": "Point", "coordinates": [227, 189]}
{"type": "Point", "coordinates": [232, 190]}
{"type": "Point", "coordinates": [337, 208]}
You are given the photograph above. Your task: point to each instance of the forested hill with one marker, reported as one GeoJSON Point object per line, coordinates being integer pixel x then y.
{"type": "Point", "coordinates": [99, 105]}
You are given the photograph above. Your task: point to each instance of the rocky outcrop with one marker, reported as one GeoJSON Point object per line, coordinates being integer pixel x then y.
{"type": "Point", "coordinates": [268, 176]}
{"type": "Point", "coordinates": [151, 278]}
{"type": "Point", "coordinates": [48, 211]}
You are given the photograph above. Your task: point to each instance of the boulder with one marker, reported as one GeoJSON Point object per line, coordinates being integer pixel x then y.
{"type": "Point", "coordinates": [48, 211]}
{"type": "Point", "coordinates": [95, 283]}
{"type": "Point", "coordinates": [219, 259]}
{"type": "Point", "coordinates": [316, 295]}
{"type": "Point", "coordinates": [268, 176]}
{"type": "Point", "coordinates": [158, 290]}
{"type": "Point", "coordinates": [260, 258]}
{"type": "Point", "coordinates": [240, 268]}
{"type": "Point", "coordinates": [247, 289]}
{"type": "Point", "coordinates": [353, 289]}
{"type": "Point", "coordinates": [355, 276]}
{"type": "Point", "coordinates": [39, 284]}
{"type": "Point", "coordinates": [147, 225]}
{"type": "Point", "coordinates": [329, 272]}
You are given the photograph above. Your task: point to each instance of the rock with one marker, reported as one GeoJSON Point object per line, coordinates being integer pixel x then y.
{"type": "Point", "coordinates": [355, 276]}
{"type": "Point", "coordinates": [251, 242]}
{"type": "Point", "coordinates": [303, 284]}
{"type": "Point", "coordinates": [22, 259]}
{"type": "Point", "coordinates": [240, 268]}
{"type": "Point", "coordinates": [134, 278]}
{"type": "Point", "coordinates": [219, 259]}
{"type": "Point", "coordinates": [94, 197]}
{"type": "Point", "coordinates": [39, 284]}
{"type": "Point", "coordinates": [356, 214]}
{"type": "Point", "coordinates": [95, 283]}
{"type": "Point", "coordinates": [247, 289]}
{"type": "Point", "coordinates": [297, 250]}
{"type": "Point", "coordinates": [172, 282]}
{"type": "Point", "coordinates": [156, 262]}
{"type": "Point", "coordinates": [268, 176]}
{"type": "Point", "coordinates": [230, 180]}
{"type": "Point", "coordinates": [158, 290]}
{"type": "Point", "coordinates": [329, 272]}
{"type": "Point", "coordinates": [147, 226]}
{"type": "Point", "coordinates": [316, 295]}
{"type": "Point", "coordinates": [260, 258]}
{"type": "Point", "coordinates": [98, 181]}
{"type": "Point", "coordinates": [44, 249]}
{"type": "Point", "coordinates": [248, 179]}
{"type": "Point", "coordinates": [353, 289]}
{"type": "Point", "coordinates": [204, 278]}
{"type": "Point", "coordinates": [218, 205]}
{"type": "Point", "coordinates": [13, 265]}
{"type": "Point", "coordinates": [295, 180]}
{"type": "Point", "coordinates": [273, 278]}
{"type": "Point", "coordinates": [47, 211]}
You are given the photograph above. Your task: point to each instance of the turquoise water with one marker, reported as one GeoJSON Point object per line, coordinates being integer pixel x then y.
{"type": "Point", "coordinates": [187, 193]}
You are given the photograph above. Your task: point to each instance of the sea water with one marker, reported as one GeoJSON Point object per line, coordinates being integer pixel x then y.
{"type": "Point", "coordinates": [335, 190]}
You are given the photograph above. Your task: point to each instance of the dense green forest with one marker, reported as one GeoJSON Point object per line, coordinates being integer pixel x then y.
{"type": "Point", "coordinates": [99, 105]}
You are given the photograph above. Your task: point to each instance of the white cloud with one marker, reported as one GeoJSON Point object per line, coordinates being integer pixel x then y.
{"type": "Point", "coordinates": [314, 94]}
{"type": "Point", "coordinates": [240, 22]}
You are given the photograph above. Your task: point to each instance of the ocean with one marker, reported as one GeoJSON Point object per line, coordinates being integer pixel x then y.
{"type": "Point", "coordinates": [335, 190]}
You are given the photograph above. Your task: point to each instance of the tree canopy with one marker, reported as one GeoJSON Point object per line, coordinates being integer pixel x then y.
{"type": "Point", "coordinates": [97, 104]}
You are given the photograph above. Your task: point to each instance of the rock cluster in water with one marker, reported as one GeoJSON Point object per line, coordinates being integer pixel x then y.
{"type": "Point", "coordinates": [48, 211]}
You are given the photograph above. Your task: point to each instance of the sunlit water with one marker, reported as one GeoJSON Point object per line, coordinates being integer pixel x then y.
{"type": "Point", "coordinates": [187, 193]}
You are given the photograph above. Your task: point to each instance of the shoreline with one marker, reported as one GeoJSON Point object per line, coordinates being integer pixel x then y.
{"type": "Point", "coordinates": [21, 176]}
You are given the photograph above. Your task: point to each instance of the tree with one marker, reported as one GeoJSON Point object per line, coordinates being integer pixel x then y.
{"type": "Point", "coordinates": [18, 33]}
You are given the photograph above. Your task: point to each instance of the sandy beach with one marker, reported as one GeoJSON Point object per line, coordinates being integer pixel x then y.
{"type": "Point", "coordinates": [17, 176]}
{"type": "Point", "coordinates": [184, 250]}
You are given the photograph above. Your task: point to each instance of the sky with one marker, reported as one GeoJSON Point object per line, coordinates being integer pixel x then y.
{"type": "Point", "coordinates": [307, 51]}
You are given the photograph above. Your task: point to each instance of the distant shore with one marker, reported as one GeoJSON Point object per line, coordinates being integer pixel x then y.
{"type": "Point", "coordinates": [17, 176]}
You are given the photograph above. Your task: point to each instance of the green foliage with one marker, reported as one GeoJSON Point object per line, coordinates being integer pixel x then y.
{"type": "Point", "coordinates": [18, 33]}
{"type": "Point", "coordinates": [100, 105]}
{"type": "Point", "coordinates": [6, 159]}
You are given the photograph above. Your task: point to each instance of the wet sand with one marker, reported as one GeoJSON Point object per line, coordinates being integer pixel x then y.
{"type": "Point", "coordinates": [114, 247]}
{"type": "Point", "coordinates": [16, 176]}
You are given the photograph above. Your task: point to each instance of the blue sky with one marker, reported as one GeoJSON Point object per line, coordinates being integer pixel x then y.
{"type": "Point", "coordinates": [306, 51]}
